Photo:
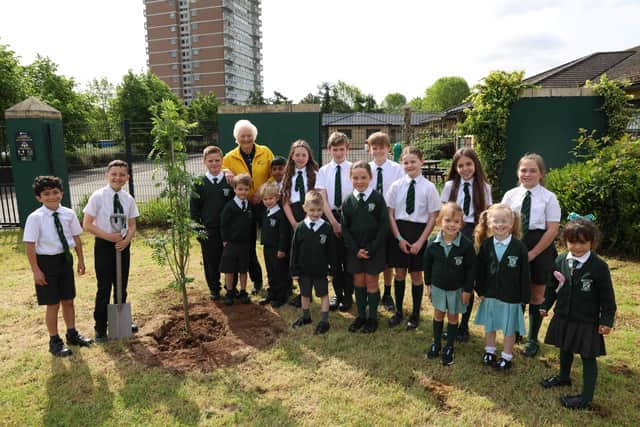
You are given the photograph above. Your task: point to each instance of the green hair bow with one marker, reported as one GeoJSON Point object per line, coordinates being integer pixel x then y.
{"type": "Point", "coordinates": [588, 217]}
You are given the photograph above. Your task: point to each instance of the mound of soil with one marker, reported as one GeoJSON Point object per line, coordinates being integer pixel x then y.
{"type": "Point", "coordinates": [221, 336]}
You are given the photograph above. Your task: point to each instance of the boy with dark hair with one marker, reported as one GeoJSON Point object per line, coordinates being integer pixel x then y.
{"type": "Point", "coordinates": [236, 222]}
{"type": "Point", "coordinates": [110, 237]}
{"type": "Point", "coordinates": [278, 167]}
{"type": "Point", "coordinates": [211, 194]}
{"type": "Point", "coordinates": [50, 232]}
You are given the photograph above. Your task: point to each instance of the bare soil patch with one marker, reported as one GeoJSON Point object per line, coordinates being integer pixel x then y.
{"type": "Point", "coordinates": [222, 336]}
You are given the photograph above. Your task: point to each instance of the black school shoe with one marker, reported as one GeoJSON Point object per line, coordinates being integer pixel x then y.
{"type": "Point", "coordinates": [296, 301]}
{"type": "Point", "coordinates": [530, 348]}
{"type": "Point", "coordinates": [574, 402]}
{"type": "Point", "coordinates": [301, 322]}
{"type": "Point", "coordinates": [555, 381]}
{"type": "Point", "coordinates": [334, 303]}
{"type": "Point", "coordinates": [463, 336]}
{"type": "Point", "coordinates": [447, 356]}
{"type": "Point", "coordinates": [395, 320]}
{"type": "Point", "coordinates": [257, 287]}
{"type": "Point", "coordinates": [74, 338]}
{"type": "Point", "coordinates": [370, 327]}
{"type": "Point", "coordinates": [489, 359]}
{"type": "Point", "coordinates": [387, 303]}
{"type": "Point", "coordinates": [433, 352]}
{"type": "Point", "coordinates": [502, 365]}
{"type": "Point", "coordinates": [101, 337]}
{"type": "Point", "coordinates": [244, 297]}
{"type": "Point", "coordinates": [228, 298]}
{"type": "Point", "coordinates": [357, 324]}
{"type": "Point", "coordinates": [265, 301]}
{"type": "Point", "coordinates": [57, 347]}
{"type": "Point", "coordinates": [277, 304]}
{"type": "Point", "coordinates": [413, 322]}
{"type": "Point", "coordinates": [215, 296]}
{"type": "Point", "coordinates": [346, 304]}
{"type": "Point", "coordinates": [321, 328]}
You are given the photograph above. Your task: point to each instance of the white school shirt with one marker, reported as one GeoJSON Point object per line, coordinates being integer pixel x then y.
{"type": "Point", "coordinates": [41, 230]}
{"type": "Point", "coordinates": [100, 206]}
{"type": "Point", "coordinates": [391, 172]}
{"type": "Point", "coordinates": [273, 210]}
{"type": "Point", "coordinates": [367, 192]}
{"type": "Point", "coordinates": [446, 193]}
{"type": "Point", "coordinates": [327, 177]}
{"type": "Point", "coordinates": [426, 202]}
{"type": "Point", "coordinates": [239, 202]}
{"type": "Point", "coordinates": [581, 260]}
{"type": "Point", "coordinates": [210, 177]}
{"type": "Point", "coordinates": [294, 197]}
{"type": "Point", "coordinates": [316, 224]}
{"type": "Point", "coordinates": [544, 205]}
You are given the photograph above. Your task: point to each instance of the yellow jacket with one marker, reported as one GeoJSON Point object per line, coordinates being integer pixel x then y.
{"type": "Point", "coordinates": [260, 167]}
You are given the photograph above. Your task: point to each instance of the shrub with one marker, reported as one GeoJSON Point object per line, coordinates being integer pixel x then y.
{"type": "Point", "coordinates": [153, 213]}
{"type": "Point", "coordinates": [606, 185]}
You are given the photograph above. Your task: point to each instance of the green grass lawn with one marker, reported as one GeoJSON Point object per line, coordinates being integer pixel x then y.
{"type": "Point", "coordinates": [337, 379]}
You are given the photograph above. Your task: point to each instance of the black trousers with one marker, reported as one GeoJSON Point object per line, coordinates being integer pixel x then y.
{"type": "Point", "coordinates": [343, 281]}
{"type": "Point", "coordinates": [211, 254]}
{"type": "Point", "coordinates": [105, 263]}
{"type": "Point", "coordinates": [277, 273]}
{"type": "Point", "coordinates": [255, 271]}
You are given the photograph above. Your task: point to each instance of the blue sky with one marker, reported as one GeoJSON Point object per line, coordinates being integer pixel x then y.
{"type": "Point", "coordinates": [380, 46]}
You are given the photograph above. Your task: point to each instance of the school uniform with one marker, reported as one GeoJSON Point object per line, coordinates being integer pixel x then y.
{"type": "Point", "coordinates": [101, 207]}
{"type": "Point", "coordinates": [236, 223]}
{"type": "Point", "coordinates": [365, 225]}
{"type": "Point", "coordinates": [584, 302]}
{"type": "Point", "coordinates": [468, 214]}
{"type": "Point", "coordinates": [276, 234]}
{"type": "Point", "coordinates": [383, 176]}
{"type": "Point", "coordinates": [411, 225]}
{"type": "Point", "coordinates": [313, 256]}
{"type": "Point", "coordinates": [449, 269]}
{"type": "Point", "coordinates": [57, 267]}
{"type": "Point", "coordinates": [211, 195]}
{"type": "Point", "coordinates": [544, 208]}
{"type": "Point", "coordinates": [337, 193]}
{"type": "Point", "coordinates": [503, 279]}
{"type": "Point", "coordinates": [296, 195]}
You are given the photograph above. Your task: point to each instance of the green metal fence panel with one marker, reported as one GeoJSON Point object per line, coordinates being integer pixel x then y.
{"type": "Point", "coordinates": [548, 126]}
{"type": "Point", "coordinates": [275, 130]}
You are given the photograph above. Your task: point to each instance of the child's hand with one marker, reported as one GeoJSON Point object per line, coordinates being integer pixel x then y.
{"type": "Point", "coordinates": [337, 229]}
{"type": "Point", "coordinates": [604, 330]}
{"type": "Point", "coordinates": [81, 268]}
{"type": "Point", "coordinates": [415, 248]}
{"type": "Point", "coordinates": [543, 313]}
{"type": "Point", "coordinates": [466, 296]}
{"type": "Point", "coordinates": [114, 237]}
{"type": "Point", "coordinates": [229, 176]}
{"type": "Point", "coordinates": [280, 254]}
{"type": "Point", "coordinates": [404, 246]}
{"type": "Point", "coordinates": [560, 278]}
{"type": "Point", "coordinates": [39, 279]}
{"type": "Point", "coordinates": [122, 245]}
{"type": "Point", "coordinates": [362, 254]}
{"type": "Point", "coordinates": [531, 256]}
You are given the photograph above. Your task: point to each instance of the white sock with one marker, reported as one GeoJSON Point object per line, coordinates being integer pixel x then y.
{"type": "Point", "coordinates": [491, 350]}
{"type": "Point", "coordinates": [506, 356]}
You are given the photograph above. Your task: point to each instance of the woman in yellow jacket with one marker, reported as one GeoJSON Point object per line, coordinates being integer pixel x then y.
{"type": "Point", "coordinates": [249, 157]}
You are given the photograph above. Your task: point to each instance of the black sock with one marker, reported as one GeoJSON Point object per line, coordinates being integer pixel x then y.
{"type": "Point", "coordinates": [306, 314]}
{"type": "Point", "coordinates": [72, 331]}
{"type": "Point", "coordinates": [399, 291]}
{"type": "Point", "coordinates": [387, 291]}
{"type": "Point", "coordinates": [438, 326]}
{"type": "Point", "coordinates": [464, 322]}
{"type": "Point", "coordinates": [373, 299]}
{"type": "Point", "coordinates": [589, 377]}
{"type": "Point", "coordinates": [361, 302]}
{"type": "Point", "coordinates": [452, 332]}
{"type": "Point", "coordinates": [535, 321]}
{"type": "Point", "coordinates": [325, 316]}
{"type": "Point", "coordinates": [416, 295]}
{"type": "Point", "coordinates": [566, 360]}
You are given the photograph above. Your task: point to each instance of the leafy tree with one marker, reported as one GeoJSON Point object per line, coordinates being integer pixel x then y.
{"type": "Point", "coordinates": [256, 97]}
{"type": "Point", "coordinates": [311, 99]}
{"type": "Point", "coordinates": [42, 81]}
{"type": "Point", "coordinates": [204, 111]}
{"type": "Point", "coordinates": [101, 93]}
{"type": "Point", "coordinates": [445, 93]}
{"type": "Point", "coordinates": [12, 88]}
{"type": "Point", "coordinates": [393, 102]}
{"type": "Point", "coordinates": [616, 105]}
{"type": "Point", "coordinates": [172, 247]}
{"type": "Point", "coordinates": [279, 98]}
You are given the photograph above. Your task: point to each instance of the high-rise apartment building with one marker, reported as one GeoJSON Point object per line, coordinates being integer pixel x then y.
{"type": "Point", "coordinates": [203, 46]}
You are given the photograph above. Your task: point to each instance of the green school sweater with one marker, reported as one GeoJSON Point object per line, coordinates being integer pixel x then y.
{"type": "Point", "coordinates": [208, 201]}
{"type": "Point", "coordinates": [450, 272]}
{"type": "Point", "coordinates": [276, 231]}
{"type": "Point", "coordinates": [587, 294]}
{"type": "Point", "coordinates": [365, 225]}
{"type": "Point", "coordinates": [313, 253]}
{"type": "Point", "coordinates": [235, 225]}
{"type": "Point", "coordinates": [507, 280]}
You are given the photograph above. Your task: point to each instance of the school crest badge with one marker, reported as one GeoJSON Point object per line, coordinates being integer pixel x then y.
{"type": "Point", "coordinates": [458, 260]}
{"type": "Point", "coordinates": [272, 222]}
{"type": "Point", "coordinates": [226, 192]}
{"type": "Point", "coordinates": [323, 239]}
{"type": "Point", "coordinates": [371, 207]}
{"type": "Point", "coordinates": [585, 285]}
{"type": "Point", "coordinates": [512, 261]}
